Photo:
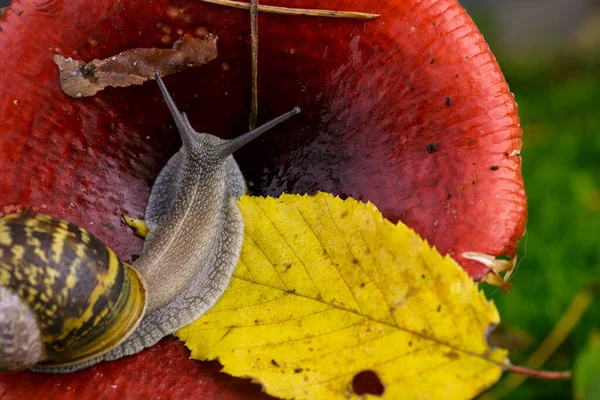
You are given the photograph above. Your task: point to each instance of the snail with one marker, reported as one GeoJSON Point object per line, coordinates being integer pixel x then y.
{"type": "Point", "coordinates": [67, 301]}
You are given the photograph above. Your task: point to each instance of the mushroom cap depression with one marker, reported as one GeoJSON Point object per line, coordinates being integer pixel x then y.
{"type": "Point", "coordinates": [409, 111]}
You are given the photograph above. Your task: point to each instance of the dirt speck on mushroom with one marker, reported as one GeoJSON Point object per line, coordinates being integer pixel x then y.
{"type": "Point", "coordinates": [173, 12]}
{"type": "Point", "coordinates": [133, 67]}
{"type": "Point", "coordinates": [431, 148]}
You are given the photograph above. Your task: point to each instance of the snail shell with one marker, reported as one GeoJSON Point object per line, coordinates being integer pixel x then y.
{"type": "Point", "coordinates": [65, 296]}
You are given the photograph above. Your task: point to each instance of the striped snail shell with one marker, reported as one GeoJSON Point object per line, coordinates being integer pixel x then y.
{"type": "Point", "coordinates": [64, 296]}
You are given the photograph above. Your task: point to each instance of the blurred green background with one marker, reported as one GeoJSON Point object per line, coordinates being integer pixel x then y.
{"type": "Point", "coordinates": [549, 52]}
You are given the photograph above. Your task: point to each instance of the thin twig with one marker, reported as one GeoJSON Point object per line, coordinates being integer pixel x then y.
{"type": "Point", "coordinates": [254, 40]}
{"type": "Point", "coordinates": [295, 11]}
{"type": "Point", "coordinates": [548, 375]}
{"type": "Point", "coordinates": [254, 9]}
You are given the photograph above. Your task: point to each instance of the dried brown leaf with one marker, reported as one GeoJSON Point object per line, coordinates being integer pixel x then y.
{"type": "Point", "coordinates": [133, 67]}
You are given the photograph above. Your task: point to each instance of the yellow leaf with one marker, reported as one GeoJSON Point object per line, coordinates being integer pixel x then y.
{"type": "Point", "coordinates": [139, 227]}
{"type": "Point", "coordinates": [327, 288]}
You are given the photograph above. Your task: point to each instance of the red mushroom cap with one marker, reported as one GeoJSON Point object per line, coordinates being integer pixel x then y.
{"type": "Point", "coordinates": [409, 111]}
{"type": "Point", "coordinates": [164, 372]}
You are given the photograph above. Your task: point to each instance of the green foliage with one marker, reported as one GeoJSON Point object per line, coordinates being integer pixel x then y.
{"type": "Point", "coordinates": [558, 106]}
{"type": "Point", "coordinates": [558, 92]}
{"type": "Point", "coordinates": [586, 379]}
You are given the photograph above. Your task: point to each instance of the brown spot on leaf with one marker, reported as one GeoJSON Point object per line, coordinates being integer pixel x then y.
{"type": "Point", "coordinates": [367, 382]}
{"type": "Point", "coordinates": [228, 331]}
{"type": "Point", "coordinates": [452, 355]}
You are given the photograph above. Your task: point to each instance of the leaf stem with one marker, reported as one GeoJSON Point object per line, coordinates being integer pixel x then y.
{"type": "Point", "coordinates": [530, 372]}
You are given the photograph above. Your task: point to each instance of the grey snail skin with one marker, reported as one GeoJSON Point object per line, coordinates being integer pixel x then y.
{"type": "Point", "coordinates": [67, 302]}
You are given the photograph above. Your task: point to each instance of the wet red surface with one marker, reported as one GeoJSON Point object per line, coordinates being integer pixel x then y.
{"type": "Point", "coordinates": [409, 111]}
{"type": "Point", "coordinates": [162, 372]}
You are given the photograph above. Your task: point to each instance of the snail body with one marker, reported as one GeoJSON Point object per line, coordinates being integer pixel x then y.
{"type": "Point", "coordinates": [195, 238]}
